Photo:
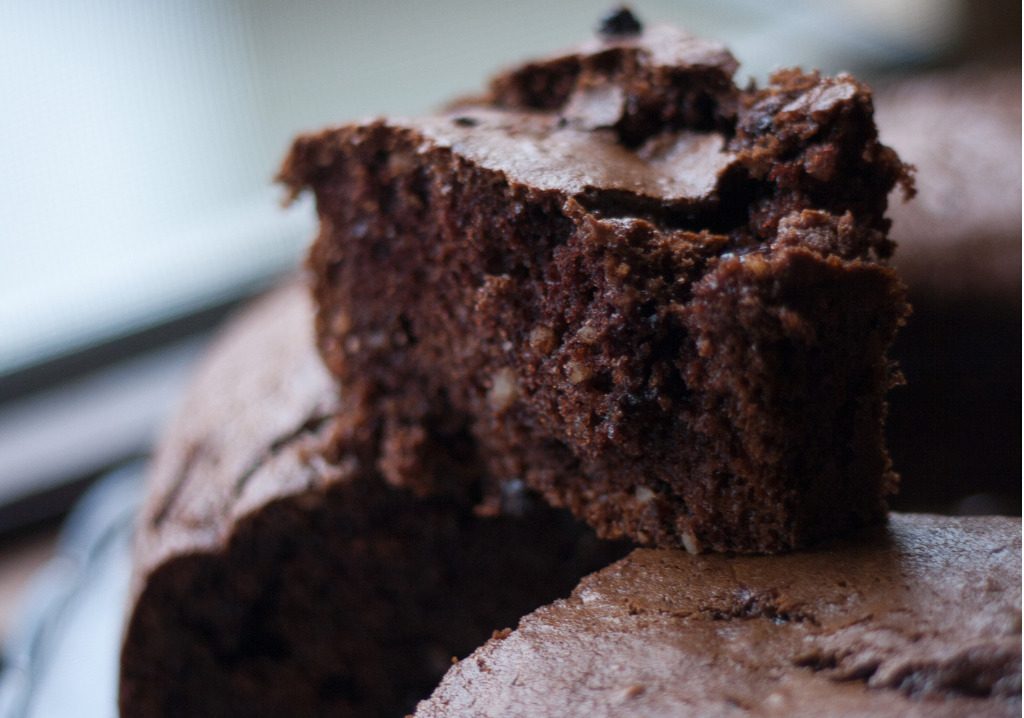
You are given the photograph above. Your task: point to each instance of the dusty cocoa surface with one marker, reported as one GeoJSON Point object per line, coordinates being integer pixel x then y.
{"type": "Point", "coordinates": [921, 618]}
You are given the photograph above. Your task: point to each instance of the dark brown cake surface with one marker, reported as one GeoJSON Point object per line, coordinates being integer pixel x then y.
{"type": "Point", "coordinates": [955, 428]}
{"type": "Point", "coordinates": [920, 618]}
{"type": "Point", "coordinates": [273, 577]}
{"type": "Point", "coordinates": [657, 299]}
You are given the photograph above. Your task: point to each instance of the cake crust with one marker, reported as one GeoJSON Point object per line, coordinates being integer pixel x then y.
{"type": "Point", "coordinates": [921, 618]}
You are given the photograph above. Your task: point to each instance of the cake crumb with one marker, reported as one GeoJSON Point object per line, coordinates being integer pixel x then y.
{"type": "Point", "coordinates": [630, 692]}
{"type": "Point", "coordinates": [400, 163]}
{"type": "Point", "coordinates": [588, 333]}
{"type": "Point", "coordinates": [689, 541]}
{"type": "Point", "coordinates": [503, 390]}
{"type": "Point", "coordinates": [757, 265]}
{"type": "Point", "coordinates": [341, 323]}
{"type": "Point", "coordinates": [643, 495]}
{"type": "Point", "coordinates": [542, 340]}
{"type": "Point", "coordinates": [577, 372]}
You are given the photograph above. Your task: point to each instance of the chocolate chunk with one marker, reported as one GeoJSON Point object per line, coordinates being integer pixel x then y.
{"type": "Point", "coordinates": [619, 22]}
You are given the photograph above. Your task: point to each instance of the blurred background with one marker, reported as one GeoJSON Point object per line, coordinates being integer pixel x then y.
{"type": "Point", "coordinates": [137, 204]}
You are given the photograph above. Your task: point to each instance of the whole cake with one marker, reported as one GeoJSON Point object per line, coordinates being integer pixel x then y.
{"type": "Point", "coordinates": [955, 426]}
{"type": "Point", "coordinates": [275, 578]}
{"type": "Point", "coordinates": [655, 298]}
{"type": "Point", "coordinates": [922, 618]}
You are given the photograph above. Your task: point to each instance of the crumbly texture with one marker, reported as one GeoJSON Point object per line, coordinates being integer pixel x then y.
{"type": "Point", "coordinates": [922, 618]}
{"type": "Point", "coordinates": [954, 430]}
{"type": "Point", "coordinates": [656, 298]}
{"type": "Point", "coordinates": [276, 577]}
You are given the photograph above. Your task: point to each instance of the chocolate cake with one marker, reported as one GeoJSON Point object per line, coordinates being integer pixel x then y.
{"type": "Point", "coordinates": [955, 428]}
{"type": "Point", "coordinates": [275, 577]}
{"type": "Point", "coordinates": [922, 618]}
{"type": "Point", "coordinates": [654, 297]}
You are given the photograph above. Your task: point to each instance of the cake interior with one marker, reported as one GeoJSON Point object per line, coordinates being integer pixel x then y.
{"type": "Point", "coordinates": [955, 428]}
{"type": "Point", "coordinates": [699, 362]}
{"type": "Point", "coordinates": [350, 601]}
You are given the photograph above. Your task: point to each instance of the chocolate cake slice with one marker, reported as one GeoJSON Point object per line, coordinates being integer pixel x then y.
{"type": "Point", "coordinates": [656, 298]}
{"type": "Point", "coordinates": [276, 576]}
{"type": "Point", "coordinates": [918, 619]}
